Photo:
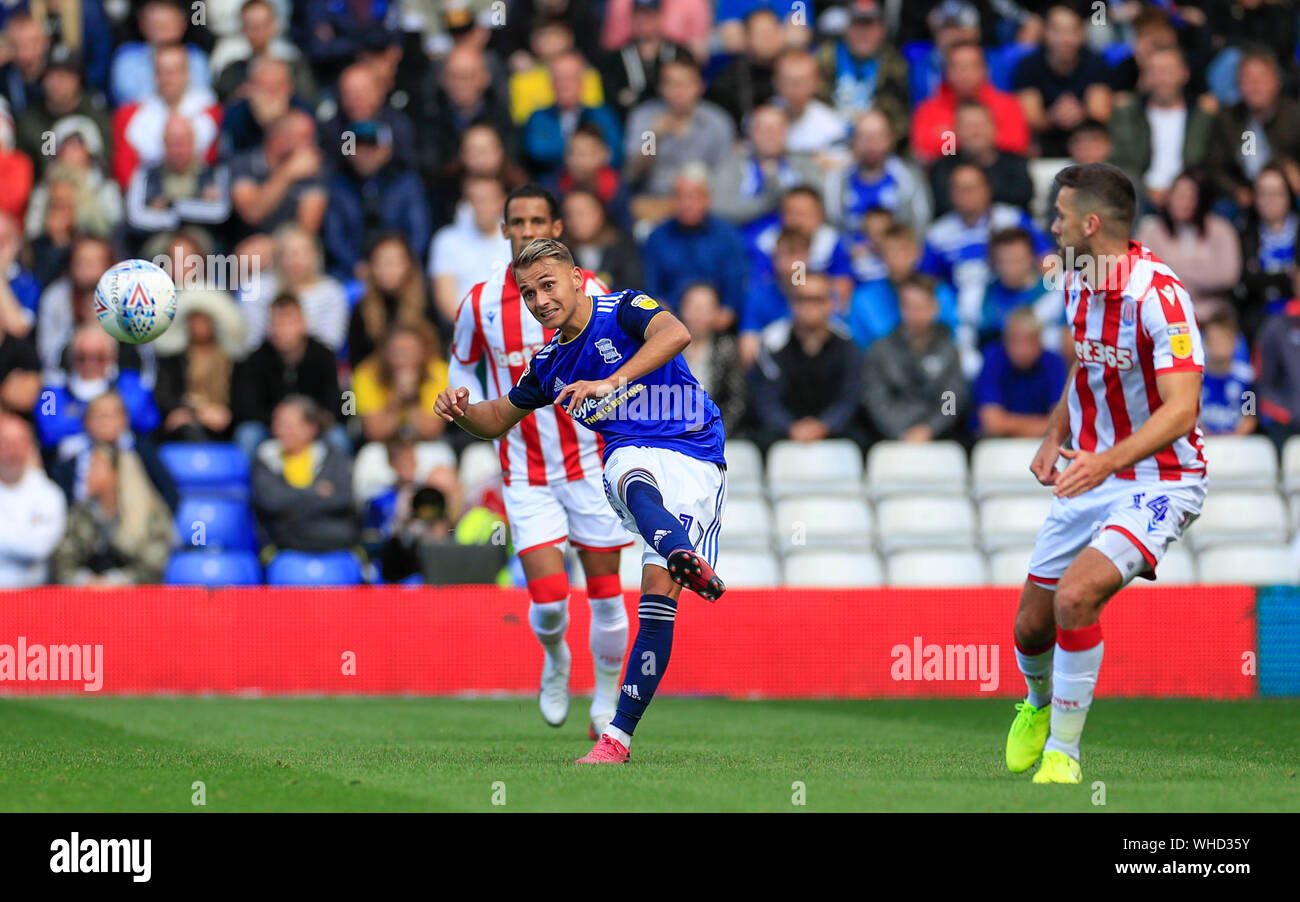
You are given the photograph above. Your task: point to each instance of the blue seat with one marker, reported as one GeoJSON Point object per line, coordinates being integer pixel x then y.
{"type": "Point", "coordinates": [213, 568]}
{"type": "Point", "coordinates": [213, 468]}
{"type": "Point", "coordinates": [215, 523]}
{"type": "Point", "coordinates": [1114, 54]}
{"type": "Point", "coordinates": [1003, 61]}
{"type": "Point", "coordinates": [302, 568]}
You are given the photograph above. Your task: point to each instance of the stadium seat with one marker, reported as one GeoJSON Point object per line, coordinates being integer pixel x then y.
{"type": "Point", "coordinates": [833, 568]}
{"type": "Point", "coordinates": [215, 523]}
{"type": "Point", "coordinates": [744, 469]}
{"type": "Point", "coordinates": [748, 569]}
{"type": "Point", "coordinates": [1241, 462]}
{"type": "Point", "coordinates": [371, 473]}
{"type": "Point", "coordinates": [937, 568]}
{"type": "Point", "coordinates": [1042, 172]}
{"type": "Point", "coordinates": [1234, 517]}
{"type": "Point", "coordinates": [301, 568]}
{"type": "Point", "coordinates": [1008, 521]}
{"type": "Point", "coordinates": [1290, 465]}
{"type": "Point", "coordinates": [822, 521]}
{"type": "Point", "coordinates": [902, 468]}
{"type": "Point", "coordinates": [1176, 568]}
{"type": "Point", "coordinates": [1000, 466]}
{"type": "Point", "coordinates": [213, 568]}
{"type": "Point", "coordinates": [1253, 565]}
{"type": "Point", "coordinates": [479, 464]}
{"type": "Point", "coordinates": [925, 521]}
{"type": "Point", "coordinates": [831, 466]}
{"type": "Point", "coordinates": [1010, 566]}
{"type": "Point", "coordinates": [747, 523]}
{"type": "Point", "coordinates": [210, 468]}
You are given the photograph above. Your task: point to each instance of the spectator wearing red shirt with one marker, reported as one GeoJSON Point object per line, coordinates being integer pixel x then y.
{"type": "Point", "coordinates": [934, 123]}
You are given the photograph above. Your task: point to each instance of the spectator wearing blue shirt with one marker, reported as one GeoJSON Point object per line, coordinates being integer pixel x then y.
{"type": "Point", "coordinates": [131, 74]}
{"type": "Point", "coordinates": [548, 130]}
{"type": "Point", "coordinates": [695, 246]}
{"type": "Point", "coordinates": [731, 16]}
{"type": "Point", "coordinates": [768, 298]}
{"type": "Point", "coordinates": [876, 177]}
{"type": "Point", "coordinates": [1228, 383]}
{"type": "Point", "coordinates": [20, 292]}
{"type": "Point", "coordinates": [1018, 282]}
{"type": "Point", "coordinates": [801, 210]}
{"type": "Point", "coordinates": [1020, 382]}
{"type": "Point", "coordinates": [873, 310]}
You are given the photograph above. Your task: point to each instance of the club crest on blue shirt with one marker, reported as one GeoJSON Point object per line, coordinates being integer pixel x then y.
{"type": "Point", "coordinates": [1128, 312]}
{"type": "Point", "coordinates": [608, 352]}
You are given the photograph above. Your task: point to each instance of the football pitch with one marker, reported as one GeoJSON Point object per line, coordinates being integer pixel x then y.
{"type": "Point", "coordinates": [417, 754]}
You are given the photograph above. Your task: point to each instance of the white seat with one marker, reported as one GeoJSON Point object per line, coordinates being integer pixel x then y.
{"type": "Point", "coordinates": [1234, 517]}
{"type": "Point", "coordinates": [821, 520]}
{"type": "Point", "coordinates": [1241, 462]}
{"type": "Point", "coordinates": [479, 464]}
{"type": "Point", "coordinates": [901, 468]}
{"type": "Point", "coordinates": [744, 469]}
{"type": "Point", "coordinates": [925, 521]}
{"type": "Point", "coordinates": [802, 468]}
{"type": "Point", "coordinates": [1253, 565]}
{"type": "Point", "coordinates": [748, 569]}
{"type": "Point", "coordinates": [937, 568]}
{"type": "Point", "coordinates": [1290, 464]}
{"type": "Point", "coordinates": [1010, 566]}
{"type": "Point", "coordinates": [1042, 171]}
{"type": "Point", "coordinates": [1000, 466]}
{"type": "Point", "coordinates": [833, 568]}
{"type": "Point", "coordinates": [371, 473]}
{"type": "Point", "coordinates": [1177, 568]}
{"type": "Point", "coordinates": [1008, 521]}
{"type": "Point", "coordinates": [747, 523]}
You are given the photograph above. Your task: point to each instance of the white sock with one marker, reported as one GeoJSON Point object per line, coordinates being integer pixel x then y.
{"type": "Point", "coordinates": [549, 622]}
{"type": "Point", "coordinates": [1074, 678]}
{"type": "Point", "coordinates": [608, 638]}
{"type": "Point", "coordinates": [614, 732]}
{"type": "Point", "coordinates": [1038, 675]}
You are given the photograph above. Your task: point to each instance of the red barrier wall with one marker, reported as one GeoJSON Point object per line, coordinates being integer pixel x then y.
{"type": "Point", "coordinates": [753, 643]}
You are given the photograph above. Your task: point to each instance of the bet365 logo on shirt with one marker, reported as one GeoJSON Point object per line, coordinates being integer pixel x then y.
{"type": "Point", "coordinates": [1094, 351]}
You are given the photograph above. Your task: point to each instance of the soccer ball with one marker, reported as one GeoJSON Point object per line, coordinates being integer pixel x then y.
{"type": "Point", "coordinates": [135, 301]}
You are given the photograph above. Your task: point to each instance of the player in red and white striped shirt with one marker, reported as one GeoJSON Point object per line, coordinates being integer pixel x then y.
{"type": "Point", "coordinates": [1136, 476]}
{"type": "Point", "coordinates": [551, 469]}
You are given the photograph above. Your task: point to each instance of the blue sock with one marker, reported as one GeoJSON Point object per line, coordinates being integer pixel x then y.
{"type": "Point", "coordinates": [661, 530]}
{"type": "Point", "coordinates": [647, 661]}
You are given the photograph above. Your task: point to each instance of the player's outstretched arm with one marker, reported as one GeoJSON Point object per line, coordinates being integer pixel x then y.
{"type": "Point", "coordinates": [487, 419]}
{"type": "Point", "coordinates": [665, 337]}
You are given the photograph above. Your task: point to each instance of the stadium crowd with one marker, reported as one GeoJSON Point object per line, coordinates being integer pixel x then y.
{"type": "Point", "coordinates": [847, 202]}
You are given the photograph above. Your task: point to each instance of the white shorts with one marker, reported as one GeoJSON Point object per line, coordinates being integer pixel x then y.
{"type": "Point", "coordinates": [575, 512]}
{"type": "Point", "coordinates": [1130, 522]}
{"type": "Point", "coordinates": [694, 491]}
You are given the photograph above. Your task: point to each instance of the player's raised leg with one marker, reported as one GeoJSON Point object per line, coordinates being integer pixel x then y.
{"type": "Point", "coordinates": [1035, 638]}
{"type": "Point", "coordinates": [608, 634]}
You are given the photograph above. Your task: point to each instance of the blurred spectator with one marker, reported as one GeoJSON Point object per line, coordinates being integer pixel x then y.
{"type": "Point", "coordinates": [334, 34]}
{"type": "Point", "coordinates": [912, 379]}
{"type": "Point", "coordinates": [1063, 82]}
{"type": "Point", "coordinates": [713, 355]}
{"type": "Point", "coordinates": [734, 15]}
{"type": "Point", "coordinates": [876, 177]}
{"type": "Point", "coordinates": [482, 153]}
{"type": "Point", "coordinates": [302, 486]}
{"type": "Point", "coordinates": [1007, 173]}
{"type": "Point", "coordinates": [264, 97]}
{"type": "Point", "coordinates": [299, 271]}
{"type": "Point", "coordinates": [1152, 31]}
{"type": "Point", "coordinates": [1269, 249]}
{"type": "Point", "coordinates": [465, 253]}
{"type": "Point", "coordinates": [138, 126]}
{"type": "Point", "coordinates": [80, 27]}
{"type": "Point", "coordinates": [180, 191]}
{"type": "Point", "coordinates": [134, 68]}
{"type": "Point", "coordinates": [770, 289]}
{"type": "Point", "coordinates": [750, 183]}
{"type": "Point", "coordinates": [463, 98]}
{"type": "Point", "coordinates": [16, 170]}
{"type": "Point", "coordinates": [396, 386]}
{"type": "Point", "coordinates": [374, 192]}
{"type": "Point", "coordinates": [665, 134]}
{"type": "Point", "coordinates": [548, 130]}
{"type": "Point", "coordinates": [1277, 348]}
{"type": "Point", "coordinates": [1020, 383]}
{"type": "Point", "coordinates": [1228, 385]}
{"type": "Point", "coordinates": [807, 380]}
{"type": "Point", "coordinates": [406, 515]}
{"type": "Point", "coordinates": [1264, 126]}
{"type": "Point", "coordinates": [260, 37]}
{"type": "Point", "coordinates": [802, 210]}
{"type": "Point", "coordinates": [63, 93]}
{"type": "Point", "coordinates": [28, 50]}
{"type": "Point", "coordinates": [862, 71]}
{"type": "Point", "coordinates": [587, 168]}
{"type": "Point", "coordinates": [1018, 282]}
{"type": "Point", "coordinates": [685, 22]}
{"type": "Point", "coordinates": [280, 182]}
{"type": "Point", "coordinates": [1089, 143]}
{"type": "Point", "coordinates": [193, 388]}
{"type": "Point", "coordinates": [77, 175]}
{"type": "Point", "coordinates": [530, 85]}
{"type": "Point", "coordinates": [20, 379]}
{"type": "Point", "coordinates": [746, 82]}
{"type": "Point", "coordinates": [119, 532]}
{"type": "Point", "coordinates": [631, 72]}
{"type": "Point", "coordinates": [1200, 245]}
{"type": "Point", "coordinates": [940, 24]}
{"type": "Point", "coordinates": [814, 126]}
{"type": "Point", "coordinates": [873, 310]}
{"type": "Point", "coordinates": [694, 246]}
{"type": "Point", "coordinates": [394, 294]}
{"type": "Point", "coordinates": [94, 371]}
{"type": "Point", "coordinates": [966, 78]}
{"type": "Point", "coordinates": [363, 106]}
{"type": "Point", "coordinates": [519, 38]}
{"type": "Point", "coordinates": [599, 245]}
{"type": "Point", "coordinates": [35, 509]}
{"type": "Point", "coordinates": [1158, 134]}
{"type": "Point", "coordinates": [20, 292]}
{"type": "Point", "coordinates": [289, 362]}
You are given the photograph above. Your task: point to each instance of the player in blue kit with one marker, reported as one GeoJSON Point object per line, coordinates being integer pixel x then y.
{"type": "Point", "coordinates": [615, 365]}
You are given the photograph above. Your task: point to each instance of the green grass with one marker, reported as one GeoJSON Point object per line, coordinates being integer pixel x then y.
{"type": "Point", "coordinates": [406, 754]}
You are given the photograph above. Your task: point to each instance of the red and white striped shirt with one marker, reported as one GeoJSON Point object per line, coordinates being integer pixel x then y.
{"type": "Point", "coordinates": [546, 448]}
{"type": "Point", "coordinates": [1123, 338]}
